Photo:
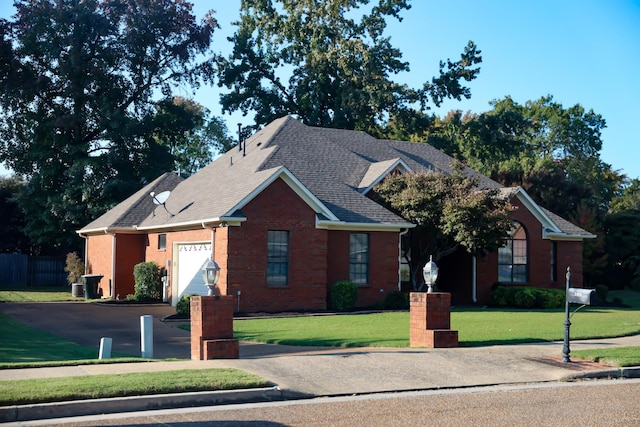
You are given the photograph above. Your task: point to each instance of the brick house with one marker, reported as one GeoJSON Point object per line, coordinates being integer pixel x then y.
{"type": "Point", "coordinates": [287, 215]}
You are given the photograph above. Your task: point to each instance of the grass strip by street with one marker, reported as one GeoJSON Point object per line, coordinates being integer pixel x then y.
{"type": "Point", "coordinates": [619, 356]}
{"type": "Point", "coordinates": [21, 392]}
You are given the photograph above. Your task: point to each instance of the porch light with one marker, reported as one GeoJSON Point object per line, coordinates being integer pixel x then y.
{"type": "Point", "coordinates": [430, 274]}
{"type": "Point", "coordinates": [210, 274]}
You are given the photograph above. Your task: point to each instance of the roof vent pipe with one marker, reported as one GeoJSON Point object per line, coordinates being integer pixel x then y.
{"type": "Point", "coordinates": [239, 136]}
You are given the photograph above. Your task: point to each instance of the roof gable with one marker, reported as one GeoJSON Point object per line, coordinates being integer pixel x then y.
{"type": "Point", "coordinates": [377, 171]}
{"type": "Point", "coordinates": [553, 226]}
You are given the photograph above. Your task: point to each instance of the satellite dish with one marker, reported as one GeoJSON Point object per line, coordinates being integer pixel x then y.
{"type": "Point", "coordinates": [160, 199]}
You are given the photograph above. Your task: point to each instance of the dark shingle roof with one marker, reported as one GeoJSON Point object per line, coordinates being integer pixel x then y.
{"type": "Point", "coordinates": [330, 168]}
{"type": "Point", "coordinates": [136, 207]}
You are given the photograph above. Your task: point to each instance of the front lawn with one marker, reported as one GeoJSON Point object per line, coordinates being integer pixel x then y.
{"type": "Point", "coordinates": [476, 327]}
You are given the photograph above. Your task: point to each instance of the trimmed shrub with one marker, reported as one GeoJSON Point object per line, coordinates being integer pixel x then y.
{"type": "Point", "coordinates": [498, 296]}
{"type": "Point", "coordinates": [183, 307]}
{"type": "Point", "coordinates": [601, 292]}
{"type": "Point", "coordinates": [527, 297]}
{"type": "Point", "coordinates": [148, 282]}
{"type": "Point", "coordinates": [396, 300]}
{"type": "Point", "coordinates": [344, 295]}
{"type": "Point", "coordinates": [524, 298]}
{"type": "Point", "coordinates": [553, 298]}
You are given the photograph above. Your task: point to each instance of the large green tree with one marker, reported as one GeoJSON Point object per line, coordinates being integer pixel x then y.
{"type": "Point", "coordinates": [450, 212]}
{"type": "Point", "coordinates": [80, 83]}
{"type": "Point", "coordinates": [190, 133]}
{"type": "Point", "coordinates": [329, 63]}
{"type": "Point", "coordinates": [12, 238]}
{"type": "Point", "coordinates": [550, 150]}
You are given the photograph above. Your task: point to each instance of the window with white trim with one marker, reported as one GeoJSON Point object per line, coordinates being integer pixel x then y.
{"type": "Point", "coordinates": [359, 258]}
{"type": "Point", "coordinates": [513, 259]}
{"type": "Point", "coordinates": [278, 258]}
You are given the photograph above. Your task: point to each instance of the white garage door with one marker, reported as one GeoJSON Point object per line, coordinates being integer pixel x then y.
{"type": "Point", "coordinates": [191, 257]}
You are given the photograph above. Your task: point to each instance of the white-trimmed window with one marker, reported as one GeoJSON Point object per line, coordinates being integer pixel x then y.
{"type": "Point", "coordinates": [278, 258]}
{"type": "Point", "coordinates": [513, 259]}
{"type": "Point", "coordinates": [359, 258]}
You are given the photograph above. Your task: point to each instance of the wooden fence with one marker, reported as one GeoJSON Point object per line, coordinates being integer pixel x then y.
{"type": "Point", "coordinates": [17, 270]}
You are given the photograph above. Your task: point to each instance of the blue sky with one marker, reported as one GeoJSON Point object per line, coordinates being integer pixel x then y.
{"type": "Point", "coordinates": [579, 51]}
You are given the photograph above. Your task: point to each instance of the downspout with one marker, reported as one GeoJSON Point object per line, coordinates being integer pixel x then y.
{"type": "Point", "coordinates": [86, 250]}
{"type": "Point", "coordinates": [213, 240]}
{"type": "Point", "coordinates": [112, 284]}
{"type": "Point", "coordinates": [474, 278]}
{"type": "Point", "coordinates": [402, 233]}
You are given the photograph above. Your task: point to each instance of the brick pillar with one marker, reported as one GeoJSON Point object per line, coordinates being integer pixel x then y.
{"type": "Point", "coordinates": [430, 320]}
{"type": "Point", "coordinates": [212, 328]}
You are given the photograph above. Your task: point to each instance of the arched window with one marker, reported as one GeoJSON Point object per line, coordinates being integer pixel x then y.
{"type": "Point", "coordinates": [513, 259]}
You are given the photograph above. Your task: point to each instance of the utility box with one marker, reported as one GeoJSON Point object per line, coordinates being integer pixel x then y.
{"type": "Point", "coordinates": [582, 296]}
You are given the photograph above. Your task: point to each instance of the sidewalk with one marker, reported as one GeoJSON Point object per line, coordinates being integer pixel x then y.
{"type": "Point", "coordinates": [299, 372]}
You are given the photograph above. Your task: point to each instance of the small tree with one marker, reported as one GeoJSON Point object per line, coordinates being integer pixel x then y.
{"type": "Point", "coordinates": [450, 212]}
{"type": "Point", "coordinates": [148, 282]}
{"type": "Point", "coordinates": [74, 267]}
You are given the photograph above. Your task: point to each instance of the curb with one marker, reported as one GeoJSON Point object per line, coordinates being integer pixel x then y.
{"type": "Point", "coordinates": [630, 372]}
{"type": "Point", "coordinates": [38, 411]}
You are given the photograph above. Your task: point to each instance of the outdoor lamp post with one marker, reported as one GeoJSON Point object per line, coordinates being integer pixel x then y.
{"type": "Point", "coordinates": [210, 274]}
{"type": "Point", "coordinates": [430, 274]}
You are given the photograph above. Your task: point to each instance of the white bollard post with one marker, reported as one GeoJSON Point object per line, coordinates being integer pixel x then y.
{"type": "Point", "coordinates": [105, 348]}
{"type": "Point", "coordinates": [146, 336]}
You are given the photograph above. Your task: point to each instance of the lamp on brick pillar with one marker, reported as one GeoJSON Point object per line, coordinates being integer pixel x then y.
{"type": "Point", "coordinates": [430, 274]}
{"type": "Point", "coordinates": [211, 274]}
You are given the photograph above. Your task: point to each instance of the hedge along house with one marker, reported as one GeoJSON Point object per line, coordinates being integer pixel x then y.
{"type": "Point", "coordinates": [288, 214]}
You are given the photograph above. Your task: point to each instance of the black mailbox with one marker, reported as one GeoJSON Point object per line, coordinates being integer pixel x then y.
{"type": "Point", "coordinates": [581, 296]}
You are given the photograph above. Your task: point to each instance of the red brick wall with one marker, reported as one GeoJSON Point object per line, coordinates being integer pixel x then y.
{"type": "Point", "coordinates": [129, 252]}
{"type": "Point", "coordinates": [99, 259]}
{"type": "Point", "coordinates": [383, 264]}
{"type": "Point", "coordinates": [277, 208]}
{"type": "Point", "coordinates": [539, 251]}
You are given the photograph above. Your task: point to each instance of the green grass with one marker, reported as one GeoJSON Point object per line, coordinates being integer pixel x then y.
{"type": "Point", "coordinates": [476, 327]}
{"type": "Point", "coordinates": [102, 386]}
{"type": "Point", "coordinates": [366, 330]}
{"type": "Point", "coordinates": [618, 356]}
{"type": "Point", "coordinates": [37, 294]}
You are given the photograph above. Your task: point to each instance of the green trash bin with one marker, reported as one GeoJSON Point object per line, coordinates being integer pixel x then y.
{"type": "Point", "coordinates": [90, 284]}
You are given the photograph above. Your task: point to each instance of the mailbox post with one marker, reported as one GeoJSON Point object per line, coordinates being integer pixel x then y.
{"type": "Point", "coordinates": [576, 296]}
{"type": "Point", "coordinates": [567, 321]}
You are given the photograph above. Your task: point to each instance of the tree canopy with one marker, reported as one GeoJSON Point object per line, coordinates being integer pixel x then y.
{"type": "Point", "coordinates": [81, 83]}
{"type": "Point", "coordinates": [190, 133]}
{"type": "Point", "coordinates": [329, 63]}
{"type": "Point", "coordinates": [450, 212]}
